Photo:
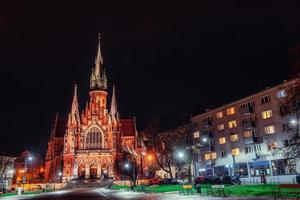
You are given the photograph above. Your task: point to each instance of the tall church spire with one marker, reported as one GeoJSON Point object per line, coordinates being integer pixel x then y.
{"type": "Point", "coordinates": [113, 106]}
{"type": "Point", "coordinates": [99, 58]}
{"type": "Point", "coordinates": [74, 115]}
{"type": "Point", "coordinates": [53, 131]}
{"type": "Point", "coordinates": [98, 79]}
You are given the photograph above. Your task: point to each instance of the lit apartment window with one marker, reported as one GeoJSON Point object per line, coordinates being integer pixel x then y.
{"type": "Point", "coordinates": [230, 111]}
{"type": "Point", "coordinates": [221, 127]}
{"type": "Point", "coordinates": [234, 137]}
{"type": "Point", "coordinates": [232, 124]}
{"type": "Point", "coordinates": [272, 146]}
{"type": "Point", "coordinates": [210, 156]}
{"type": "Point", "coordinates": [222, 140]}
{"type": "Point", "coordinates": [219, 115]}
{"type": "Point", "coordinates": [247, 134]}
{"type": "Point", "coordinates": [235, 151]}
{"type": "Point", "coordinates": [270, 129]}
{"type": "Point", "coordinates": [196, 134]}
{"type": "Point", "coordinates": [265, 99]}
{"type": "Point", "coordinates": [281, 94]}
{"type": "Point", "coordinates": [223, 154]}
{"type": "Point", "coordinates": [266, 114]}
{"type": "Point", "coordinates": [214, 155]}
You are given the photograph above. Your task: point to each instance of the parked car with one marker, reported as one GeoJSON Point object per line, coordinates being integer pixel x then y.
{"type": "Point", "coordinates": [182, 181]}
{"type": "Point", "coordinates": [227, 180]}
{"type": "Point", "coordinates": [154, 181]}
{"type": "Point", "coordinates": [37, 187]}
{"type": "Point", "coordinates": [168, 181]}
{"type": "Point", "coordinates": [298, 178]}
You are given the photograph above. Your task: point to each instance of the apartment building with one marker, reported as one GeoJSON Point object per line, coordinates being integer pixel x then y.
{"type": "Point", "coordinates": [242, 139]}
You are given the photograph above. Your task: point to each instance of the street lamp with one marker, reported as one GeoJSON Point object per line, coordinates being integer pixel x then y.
{"type": "Point", "coordinates": [126, 165]}
{"type": "Point", "coordinates": [204, 139]}
{"type": "Point", "coordinates": [180, 155]}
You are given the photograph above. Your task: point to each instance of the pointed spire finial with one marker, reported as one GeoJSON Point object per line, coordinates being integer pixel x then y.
{"type": "Point", "coordinates": [53, 131]}
{"type": "Point", "coordinates": [75, 108]}
{"type": "Point", "coordinates": [113, 105]}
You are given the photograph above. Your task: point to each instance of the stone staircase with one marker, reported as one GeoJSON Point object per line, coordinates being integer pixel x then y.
{"type": "Point", "coordinates": [88, 183]}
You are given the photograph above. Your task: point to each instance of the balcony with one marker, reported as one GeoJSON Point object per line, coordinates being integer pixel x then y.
{"type": "Point", "coordinates": [249, 125]}
{"type": "Point", "coordinates": [247, 110]}
{"type": "Point", "coordinates": [253, 140]}
{"type": "Point", "coordinates": [207, 123]}
{"type": "Point", "coordinates": [207, 147]}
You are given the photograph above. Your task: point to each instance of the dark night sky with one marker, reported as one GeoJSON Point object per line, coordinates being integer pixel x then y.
{"type": "Point", "coordinates": [165, 59]}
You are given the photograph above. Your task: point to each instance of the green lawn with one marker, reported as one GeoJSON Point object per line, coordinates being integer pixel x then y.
{"type": "Point", "coordinates": [230, 190]}
{"type": "Point", "coordinates": [25, 193]}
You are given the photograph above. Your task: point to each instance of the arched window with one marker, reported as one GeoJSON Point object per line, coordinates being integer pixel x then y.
{"type": "Point", "coordinates": [93, 139]}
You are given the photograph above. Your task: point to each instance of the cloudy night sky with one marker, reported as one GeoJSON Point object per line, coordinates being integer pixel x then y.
{"type": "Point", "coordinates": [166, 59]}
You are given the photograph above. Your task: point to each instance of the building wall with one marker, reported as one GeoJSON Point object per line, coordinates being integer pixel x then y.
{"type": "Point", "coordinates": [254, 152]}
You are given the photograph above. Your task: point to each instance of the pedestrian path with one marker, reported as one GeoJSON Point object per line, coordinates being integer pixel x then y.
{"type": "Point", "coordinates": [119, 194]}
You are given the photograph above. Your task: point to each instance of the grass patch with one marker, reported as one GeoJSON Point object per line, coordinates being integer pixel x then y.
{"type": "Point", "coordinates": [119, 187]}
{"type": "Point", "coordinates": [163, 188]}
{"type": "Point", "coordinates": [230, 190]}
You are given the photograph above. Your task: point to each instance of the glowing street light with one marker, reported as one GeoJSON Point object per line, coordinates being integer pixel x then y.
{"type": "Point", "coordinates": [149, 157]}
{"type": "Point", "coordinates": [293, 121]}
{"type": "Point", "coordinates": [126, 165]}
{"type": "Point", "coordinates": [204, 139]}
{"type": "Point", "coordinates": [59, 174]}
{"type": "Point", "coordinates": [30, 158]}
{"type": "Point", "coordinates": [180, 155]}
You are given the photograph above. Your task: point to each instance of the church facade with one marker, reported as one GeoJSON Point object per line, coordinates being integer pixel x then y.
{"type": "Point", "coordinates": [95, 139]}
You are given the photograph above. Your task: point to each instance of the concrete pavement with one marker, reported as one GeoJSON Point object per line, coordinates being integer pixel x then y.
{"type": "Point", "coordinates": [105, 194]}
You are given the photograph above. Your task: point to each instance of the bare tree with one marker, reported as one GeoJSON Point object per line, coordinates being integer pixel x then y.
{"type": "Point", "coordinates": [289, 109]}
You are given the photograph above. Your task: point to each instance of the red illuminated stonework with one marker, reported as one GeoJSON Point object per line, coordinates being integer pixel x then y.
{"type": "Point", "coordinates": [93, 139]}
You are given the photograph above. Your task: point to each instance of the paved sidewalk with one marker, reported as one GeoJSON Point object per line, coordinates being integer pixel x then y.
{"type": "Point", "coordinates": [166, 196]}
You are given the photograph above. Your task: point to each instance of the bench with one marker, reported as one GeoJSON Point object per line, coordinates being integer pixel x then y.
{"type": "Point", "coordinates": [186, 189]}
{"type": "Point", "coordinates": [294, 191]}
{"type": "Point", "coordinates": [219, 188]}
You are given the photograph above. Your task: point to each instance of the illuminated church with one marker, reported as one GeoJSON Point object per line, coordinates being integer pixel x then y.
{"type": "Point", "coordinates": [91, 143]}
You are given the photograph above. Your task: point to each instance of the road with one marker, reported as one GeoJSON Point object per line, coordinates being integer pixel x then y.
{"type": "Point", "coordinates": [98, 194]}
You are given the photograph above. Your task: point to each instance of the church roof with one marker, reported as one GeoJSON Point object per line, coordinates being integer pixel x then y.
{"type": "Point", "coordinates": [128, 127]}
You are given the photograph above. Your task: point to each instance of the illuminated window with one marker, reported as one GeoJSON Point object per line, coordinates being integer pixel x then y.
{"type": "Point", "coordinates": [270, 129]}
{"type": "Point", "coordinates": [272, 146]}
{"type": "Point", "coordinates": [222, 140]}
{"type": "Point", "coordinates": [234, 137]}
{"type": "Point", "coordinates": [230, 111]}
{"type": "Point", "coordinates": [266, 114]}
{"type": "Point", "coordinates": [210, 156]}
{"type": "Point", "coordinates": [213, 155]}
{"type": "Point", "coordinates": [232, 124]}
{"type": "Point", "coordinates": [196, 134]}
{"type": "Point", "coordinates": [219, 115]}
{"type": "Point", "coordinates": [281, 93]}
{"type": "Point", "coordinates": [221, 127]}
{"type": "Point", "coordinates": [247, 134]}
{"type": "Point", "coordinates": [235, 151]}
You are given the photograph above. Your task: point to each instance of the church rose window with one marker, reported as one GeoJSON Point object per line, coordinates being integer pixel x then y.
{"type": "Point", "coordinates": [93, 139]}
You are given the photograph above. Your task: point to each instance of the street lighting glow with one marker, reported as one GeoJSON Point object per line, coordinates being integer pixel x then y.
{"type": "Point", "coordinates": [204, 139]}
{"type": "Point", "coordinates": [30, 158]}
{"type": "Point", "coordinates": [126, 165]}
{"type": "Point", "coordinates": [149, 157]}
{"type": "Point", "coordinates": [59, 173]}
{"type": "Point", "coordinates": [180, 155]}
{"type": "Point", "coordinates": [293, 121]}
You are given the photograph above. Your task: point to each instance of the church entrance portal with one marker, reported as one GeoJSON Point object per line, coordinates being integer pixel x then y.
{"type": "Point", "coordinates": [81, 171]}
{"type": "Point", "coordinates": [93, 171]}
